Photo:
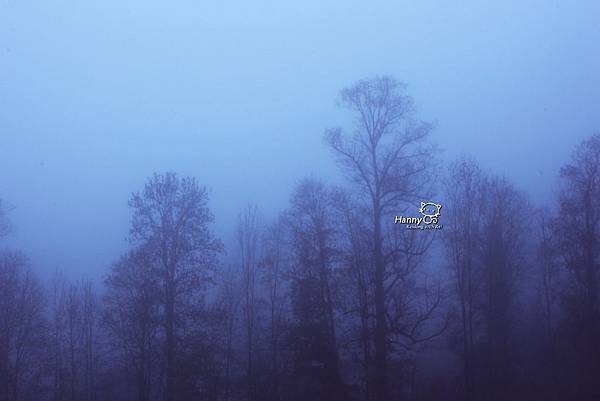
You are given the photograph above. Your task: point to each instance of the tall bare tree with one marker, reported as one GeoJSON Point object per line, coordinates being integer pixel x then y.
{"type": "Point", "coordinates": [549, 284]}
{"type": "Point", "coordinates": [248, 236]}
{"type": "Point", "coordinates": [389, 160]}
{"type": "Point", "coordinates": [228, 304]}
{"type": "Point", "coordinates": [56, 332]}
{"type": "Point", "coordinates": [502, 247]}
{"type": "Point", "coordinates": [91, 335]}
{"type": "Point", "coordinates": [358, 297]}
{"type": "Point", "coordinates": [22, 328]}
{"type": "Point", "coordinates": [171, 219]}
{"type": "Point", "coordinates": [274, 263]}
{"type": "Point", "coordinates": [463, 190]}
{"type": "Point", "coordinates": [132, 316]}
{"type": "Point", "coordinates": [577, 230]}
{"type": "Point", "coordinates": [73, 338]}
{"type": "Point", "coordinates": [485, 243]}
{"type": "Point", "coordinates": [314, 234]}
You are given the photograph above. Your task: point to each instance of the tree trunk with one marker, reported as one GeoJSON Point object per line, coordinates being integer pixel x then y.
{"type": "Point", "coordinates": [380, 326]}
{"type": "Point", "coordinates": [170, 338]}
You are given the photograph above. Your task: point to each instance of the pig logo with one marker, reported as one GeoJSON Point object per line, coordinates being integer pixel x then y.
{"type": "Point", "coordinates": [430, 211]}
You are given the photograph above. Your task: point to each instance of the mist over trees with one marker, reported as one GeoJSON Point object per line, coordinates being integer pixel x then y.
{"type": "Point", "coordinates": [332, 299]}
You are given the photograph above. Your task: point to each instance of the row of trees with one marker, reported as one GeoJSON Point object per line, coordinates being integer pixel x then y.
{"type": "Point", "coordinates": [331, 300]}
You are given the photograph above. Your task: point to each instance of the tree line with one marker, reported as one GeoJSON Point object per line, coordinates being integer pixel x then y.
{"type": "Point", "coordinates": [331, 300]}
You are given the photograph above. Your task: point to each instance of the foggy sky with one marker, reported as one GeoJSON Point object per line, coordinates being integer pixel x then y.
{"type": "Point", "coordinates": [95, 96]}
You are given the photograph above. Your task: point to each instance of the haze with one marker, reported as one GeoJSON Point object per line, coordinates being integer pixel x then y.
{"type": "Point", "coordinates": [97, 96]}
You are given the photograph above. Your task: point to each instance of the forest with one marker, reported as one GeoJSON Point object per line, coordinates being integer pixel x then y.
{"type": "Point", "coordinates": [335, 299]}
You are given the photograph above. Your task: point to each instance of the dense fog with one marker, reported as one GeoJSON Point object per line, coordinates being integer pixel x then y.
{"type": "Point", "coordinates": [299, 201]}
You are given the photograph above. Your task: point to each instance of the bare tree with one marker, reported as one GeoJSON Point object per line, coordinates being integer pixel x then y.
{"type": "Point", "coordinates": [91, 333]}
{"type": "Point", "coordinates": [228, 305]}
{"type": "Point", "coordinates": [248, 241]}
{"type": "Point", "coordinates": [314, 243]}
{"type": "Point", "coordinates": [358, 297]}
{"type": "Point", "coordinates": [22, 328]}
{"type": "Point", "coordinates": [171, 219]}
{"type": "Point", "coordinates": [273, 273]}
{"type": "Point", "coordinates": [501, 245]}
{"type": "Point", "coordinates": [389, 161]}
{"type": "Point", "coordinates": [549, 282]}
{"type": "Point", "coordinates": [132, 316]}
{"type": "Point", "coordinates": [485, 245]}
{"type": "Point", "coordinates": [577, 231]}
{"type": "Point", "coordinates": [57, 332]}
{"type": "Point", "coordinates": [73, 339]}
{"type": "Point", "coordinates": [74, 336]}
{"type": "Point", "coordinates": [463, 190]}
